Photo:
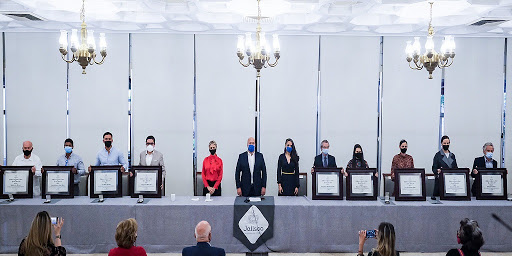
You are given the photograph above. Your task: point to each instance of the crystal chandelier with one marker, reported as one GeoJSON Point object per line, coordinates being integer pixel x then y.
{"type": "Point", "coordinates": [84, 52]}
{"type": "Point", "coordinates": [258, 54]}
{"type": "Point", "coordinates": [430, 59]}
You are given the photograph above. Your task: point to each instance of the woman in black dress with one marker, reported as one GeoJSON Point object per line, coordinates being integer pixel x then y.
{"type": "Point", "coordinates": [288, 170]}
{"type": "Point", "coordinates": [470, 236]}
{"type": "Point", "coordinates": [443, 159]}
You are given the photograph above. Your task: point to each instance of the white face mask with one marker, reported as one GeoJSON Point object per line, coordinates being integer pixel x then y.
{"type": "Point", "coordinates": [150, 148]}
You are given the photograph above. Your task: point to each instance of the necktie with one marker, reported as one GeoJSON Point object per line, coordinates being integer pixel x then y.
{"type": "Point", "coordinates": [325, 161]}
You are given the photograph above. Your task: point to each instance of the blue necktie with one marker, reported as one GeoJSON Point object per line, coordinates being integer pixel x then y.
{"type": "Point", "coordinates": [325, 161]}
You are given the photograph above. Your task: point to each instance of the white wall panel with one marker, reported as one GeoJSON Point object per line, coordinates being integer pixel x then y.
{"type": "Point", "coordinates": [508, 119]}
{"type": "Point", "coordinates": [162, 103]}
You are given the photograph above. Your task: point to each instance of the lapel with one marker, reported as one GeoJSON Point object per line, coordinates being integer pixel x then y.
{"type": "Point", "coordinates": [446, 160]}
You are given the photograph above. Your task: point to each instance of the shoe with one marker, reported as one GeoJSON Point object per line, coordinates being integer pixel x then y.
{"type": "Point", "coordinates": [433, 198]}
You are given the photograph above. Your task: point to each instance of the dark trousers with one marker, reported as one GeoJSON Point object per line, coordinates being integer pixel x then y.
{"type": "Point", "coordinates": [211, 183]}
{"type": "Point", "coordinates": [436, 187]}
{"type": "Point", "coordinates": [76, 189]}
{"type": "Point", "coordinates": [253, 192]}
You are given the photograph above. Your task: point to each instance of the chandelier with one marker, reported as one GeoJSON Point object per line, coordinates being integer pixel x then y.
{"type": "Point", "coordinates": [258, 55]}
{"type": "Point", "coordinates": [84, 52]}
{"type": "Point", "coordinates": [430, 59]}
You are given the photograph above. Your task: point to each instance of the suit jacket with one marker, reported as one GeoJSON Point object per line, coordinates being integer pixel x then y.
{"type": "Point", "coordinates": [331, 161]}
{"type": "Point", "coordinates": [479, 164]}
{"type": "Point", "coordinates": [439, 163]}
{"type": "Point", "coordinates": [243, 173]}
{"type": "Point", "coordinates": [158, 160]}
{"type": "Point", "coordinates": [203, 249]}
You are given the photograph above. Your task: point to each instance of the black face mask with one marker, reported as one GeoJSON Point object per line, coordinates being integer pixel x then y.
{"type": "Point", "coordinates": [403, 150]}
{"type": "Point", "coordinates": [359, 155]}
{"type": "Point", "coordinates": [445, 147]}
{"type": "Point", "coordinates": [108, 143]}
{"type": "Point", "coordinates": [212, 151]}
{"type": "Point", "coordinates": [27, 152]}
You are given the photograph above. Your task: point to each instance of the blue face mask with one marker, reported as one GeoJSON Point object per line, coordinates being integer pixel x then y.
{"type": "Point", "coordinates": [68, 149]}
{"type": "Point", "coordinates": [488, 155]}
{"type": "Point", "coordinates": [325, 151]}
{"type": "Point", "coordinates": [250, 148]}
{"type": "Point", "coordinates": [289, 149]}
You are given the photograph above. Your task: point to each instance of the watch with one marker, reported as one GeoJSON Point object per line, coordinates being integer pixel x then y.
{"type": "Point", "coordinates": [59, 236]}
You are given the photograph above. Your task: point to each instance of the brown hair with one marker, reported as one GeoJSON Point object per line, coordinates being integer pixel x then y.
{"type": "Point", "coordinates": [386, 239]}
{"type": "Point", "coordinates": [126, 233]}
{"type": "Point", "coordinates": [39, 236]}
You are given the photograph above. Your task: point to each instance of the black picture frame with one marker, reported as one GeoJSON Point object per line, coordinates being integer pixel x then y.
{"type": "Point", "coordinates": [327, 196]}
{"type": "Point", "coordinates": [50, 169]}
{"type": "Point", "coordinates": [454, 196]}
{"type": "Point", "coordinates": [106, 194]}
{"type": "Point", "coordinates": [30, 186]}
{"type": "Point", "coordinates": [410, 197]}
{"type": "Point", "coordinates": [134, 170]}
{"type": "Point", "coordinates": [489, 196]}
{"type": "Point", "coordinates": [362, 197]}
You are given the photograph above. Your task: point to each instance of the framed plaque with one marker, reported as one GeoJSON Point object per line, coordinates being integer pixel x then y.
{"type": "Point", "coordinates": [410, 185]}
{"type": "Point", "coordinates": [17, 181]}
{"type": "Point", "coordinates": [491, 184]}
{"type": "Point", "coordinates": [146, 181]}
{"type": "Point", "coordinates": [454, 184]}
{"type": "Point", "coordinates": [58, 182]}
{"type": "Point", "coordinates": [106, 180]}
{"type": "Point", "coordinates": [327, 184]}
{"type": "Point", "coordinates": [362, 184]}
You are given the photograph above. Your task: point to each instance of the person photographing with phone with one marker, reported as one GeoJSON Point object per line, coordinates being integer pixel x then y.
{"type": "Point", "coordinates": [385, 236]}
{"type": "Point", "coordinates": [39, 240]}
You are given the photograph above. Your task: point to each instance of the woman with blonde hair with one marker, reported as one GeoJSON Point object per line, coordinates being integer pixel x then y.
{"type": "Point", "coordinates": [385, 236]}
{"type": "Point", "coordinates": [39, 241]}
{"type": "Point", "coordinates": [126, 235]}
{"type": "Point", "coordinates": [212, 171]}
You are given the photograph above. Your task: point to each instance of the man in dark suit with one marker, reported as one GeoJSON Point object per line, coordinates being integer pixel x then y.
{"type": "Point", "coordinates": [203, 235]}
{"type": "Point", "coordinates": [251, 173]}
{"type": "Point", "coordinates": [482, 163]}
{"type": "Point", "coordinates": [324, 159]}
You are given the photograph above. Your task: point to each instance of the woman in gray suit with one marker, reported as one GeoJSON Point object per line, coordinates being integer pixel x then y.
{"type": "Point", "coordinates": [151, 157]}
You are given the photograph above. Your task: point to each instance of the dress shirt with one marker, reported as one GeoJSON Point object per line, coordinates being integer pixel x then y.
{"type": "Point", "coordinates": [212, 170]}
{"type": "Point", "coordinates": [251, 159]}
{"type": "Point", "coordinates": [149, 158]}
{"type": "Point", "coordinates": [75, 161]}
{"type": "Point", "coordinates": [115, 157]}
{"type": "Point", "coordinates": [488, 163]}
{"type": "Point", "coordinates": [32, 161]}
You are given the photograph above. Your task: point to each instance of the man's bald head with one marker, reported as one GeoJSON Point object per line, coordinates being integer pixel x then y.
{"type": "Point", "coordinates": [203, 231]}
{"type": "Point", "coordinates": [251, 141]}
{"type": "Point", "coordinates": [27, 145]}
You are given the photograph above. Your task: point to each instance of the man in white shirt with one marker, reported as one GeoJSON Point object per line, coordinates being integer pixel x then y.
{"type": "Point", "coordinates": [251, 172]}
{"type": "Point", "coordinates": [29, 159]}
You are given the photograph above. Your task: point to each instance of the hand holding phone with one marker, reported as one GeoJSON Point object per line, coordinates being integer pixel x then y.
{"type": "Point", "coordinates": [55, 220]}
{"type": "Point", "coordinates": [370, 233]}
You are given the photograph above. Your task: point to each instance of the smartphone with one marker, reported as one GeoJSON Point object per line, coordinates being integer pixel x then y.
{"type": "Point", "coordinates": [370, 234]}
{"type": "Point", "coordinates": [54, 220]}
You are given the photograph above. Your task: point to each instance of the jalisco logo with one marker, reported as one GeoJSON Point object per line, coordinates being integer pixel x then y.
{"type": "Point", "coordinates": [253, 224]}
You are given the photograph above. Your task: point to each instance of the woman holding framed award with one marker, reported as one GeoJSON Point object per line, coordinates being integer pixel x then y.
{"type": "Point", "coordinates": [288, 170]}
{"type": "Point", "coordinates": [357, 161]}
{"type": "Point", "coordinates": [444, 158]}
{"type": "Point", "coordinates": [212, 171]}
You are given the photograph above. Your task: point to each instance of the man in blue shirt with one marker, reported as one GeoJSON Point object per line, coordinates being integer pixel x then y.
{"type": "Point", "coordinates": [71, 159]}
{"type": "Point", "coordinates": [110, 155]}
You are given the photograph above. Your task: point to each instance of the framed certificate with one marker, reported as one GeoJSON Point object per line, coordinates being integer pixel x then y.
{"type": "Point", "coordinates": [362, 184]}
{"type": "Point", "coordinates": [17, 181]}
{"type": "Point", "coordinates": [454, 184]}
{"type": "Point", "coordinates": [410, 185]}
{"type": "Point", "coordinates": [327, 184]}
{"type": "Point", "coordinates": [58, 182]}
{"type": "Point", "coordinates": [146, 181]}
{"type": "Point", "coordinates": [106, 180]}
{"type": "Point", "coordinates": [491, 184]}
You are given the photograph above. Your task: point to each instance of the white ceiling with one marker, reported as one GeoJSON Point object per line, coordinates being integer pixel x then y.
{"type": "Point", "coordinates": [344, 17]}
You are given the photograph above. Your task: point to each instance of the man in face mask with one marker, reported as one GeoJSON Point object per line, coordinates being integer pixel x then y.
{"type": "Point", "coordinates": [29, 159]}
{"type": "Point", "coordinates": [71, 159]}
{"type": "Point", "coordinates": [110, 155]}
{"type": "Point", "coordinates": [324, 159]}
{"type": "Point", "coordinates": [151, 157]}
{"type": "Point", "coordinates": [482, 163]}
{"type": "Point", "coordinates": [251, 172]}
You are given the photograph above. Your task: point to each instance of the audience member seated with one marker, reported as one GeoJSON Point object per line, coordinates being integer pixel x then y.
{"type": "Point", "coordinates": [203, 235]}
{"type": "Point", "coordinates": [385, 236]}
{"type": "Point", "coordinates": [39, 241]}
{"type": "Point", "coordinates": [470, 236]}
{"type": "Point", "coordinates": [126, 235]}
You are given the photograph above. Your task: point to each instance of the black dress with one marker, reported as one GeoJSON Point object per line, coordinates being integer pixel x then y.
{"type": "Point", "coordinates": [466, 252]}
{"type": "Point", "coordinates": [376, 253]}
{"type": "Point", "coordinates": [52, 249]}
{"type": "Point", "coordinates": [287, 175]}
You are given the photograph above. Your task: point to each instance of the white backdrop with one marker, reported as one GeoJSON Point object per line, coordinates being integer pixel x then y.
{"type": "Point", "coordinates": [349, 79]}
{"type": "Point", "coordinates": [35, 95]}
{"type": "Point", "coordinates": [225, 103]}
{"type": "Point", "coordinates": [410, 108]}
{"type": "Point", "coordinates": [288, 105]}
{"type": "Point", "coordinates": [98, 101]}
{"type": "Point", "coordinates": [162, 103]}
{"type": "Point", "coordinates": [508, 123]}
{"type": "Point", "coordinates": [1, 99]}
{"type": "Point", "coordinates": [473, 98]}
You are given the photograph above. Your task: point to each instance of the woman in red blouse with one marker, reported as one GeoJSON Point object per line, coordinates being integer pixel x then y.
{"type": "Point", "coordinates": [212, 171]}
{"type": "Point", "coordinates": [126, 235]}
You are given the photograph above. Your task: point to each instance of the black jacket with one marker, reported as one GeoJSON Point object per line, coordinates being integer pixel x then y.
{"type": "Point", "coordinates": [331, 161]}
{"type": "Point", "coordinates": [243, 173]}
{"type": "Point", "coordinates": [203, 249]}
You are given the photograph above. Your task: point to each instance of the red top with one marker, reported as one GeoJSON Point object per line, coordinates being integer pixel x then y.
{"type": "Point", "coordinates": [133, 251]}
{"type": "Point", "coordinates": [212, 170]}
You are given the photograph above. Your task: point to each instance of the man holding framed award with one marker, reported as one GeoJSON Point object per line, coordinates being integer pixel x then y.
{"type": "Point", "coordinates": [110, 155]}
{"type": "Point", "coordinates": [29, 159]}
{"type": "Point", "coordinates": [72, 159]}
{"type": "Point", "coordinates": [482, 163]}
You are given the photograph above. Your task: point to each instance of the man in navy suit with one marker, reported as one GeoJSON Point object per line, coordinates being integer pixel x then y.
{"type": "Point", "coordinates": [251, 173]}
{"type": "Point", "coordinates": [324, 159]}
{"type": "Point", "coordinates": [203, 235]}
{"type": "Point", "coordinates": [482, 163]}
